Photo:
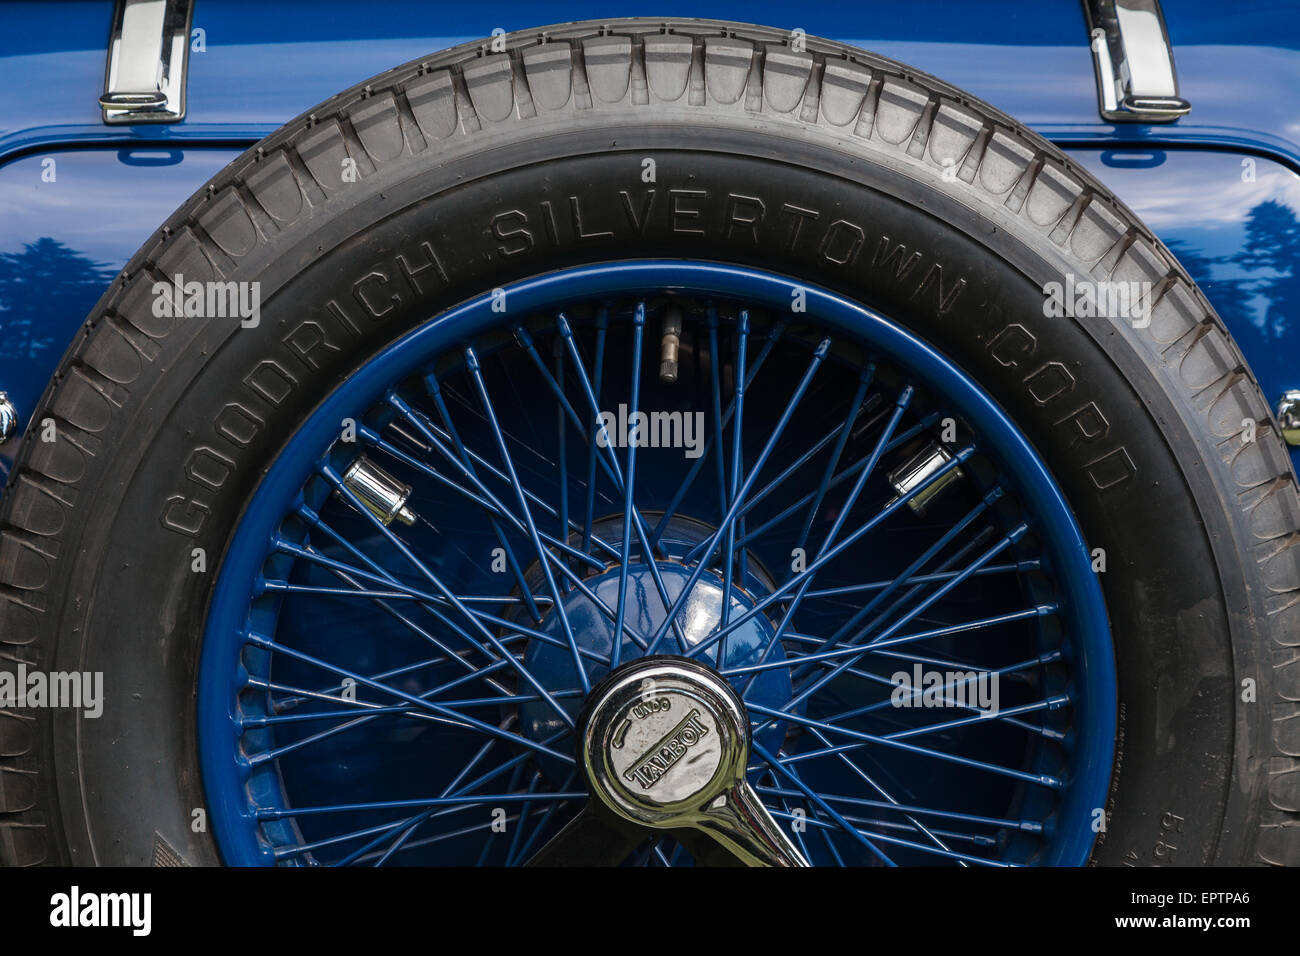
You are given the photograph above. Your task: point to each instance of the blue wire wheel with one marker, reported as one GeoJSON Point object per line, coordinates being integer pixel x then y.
{"type": "Point", "coordinates": [656, 458]}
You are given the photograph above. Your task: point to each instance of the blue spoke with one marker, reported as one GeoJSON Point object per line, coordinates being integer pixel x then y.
{"type": "Point", "coordinates": [375, 709]}
{"type": "Point", "coordinates": [917, 694]}
{"type": "Point", "coordinates": [616, 475]}
{"type": "Point", "coordinates": [513, 762]}
{"type": "Point", "coordinates": [333, 478]}
{"type": "Point", "coordinates": [773, 337]}
{"type": "Point", "coordinates": [258, 640]}
{"type": "Point", "coordinates": [368, 712]}
{"type": "Point", "coordinates": [900, 406]}
{"type": "Point", "coordinates": [871, 782]}
{"type": "Point", "coordinates": [419, 802]}
{"type": "Point", "coordinates": [331, 695]}
{"type": "Point", "coordinates": [411, 824]}
{"type": "Point", "coordinates": [833, 553]}
{"type": "Point", "coordinates": [797, 834]}
{"type": "Point", "coordinates": [887, 703]}
{"type": "Point", "coordinates": [629, 487]}
{"type": "Point", "coordinates": [979, 839]}
{"type": "Point", "coordinates": [1055, 702]}
{"type": "Point", "coordinates": [800, 503]}
{"type": "Point", "coordinates": [470, 764]}
{"type": "Point", "coordinates": [909, 844]}
{"type": "Point", "coordinates": [952, 534]}
{"type": "Point", "coordinates": [602, 328]}
{"type": "Point", "coordinates": [380, 576]}
{"type": "Point", "coordinates": [855, 651]}
{"type": "Point", "coordinates": [1026, 826]}
{"type": "Point", "coordinates": [487, 502]}
{"type": "Point", "coordinates": [432, 602]}
{"type": "Point", "coordinates": [608, 462]}
{"type": "Point", "coordinates": [448, 835]}
{"type": "Point", "coordinates": [286, 587]}
{"type": "Point", "coordinates": [435, 391]}
{"type": "Point", "coordinates": [839, 750]}
{"type": "Point", "coordinates": [543, 821]}
{"type": "Point", "coordinates": [288, 853]}
{"type": "Point", "coordinates": [1017, 567]}
{"type": "Point", "coordinates": [351, 722]}
{"type": "Point", "coordinates": [848, 828]}
{"type": "Point", "coordinates": [562, 566]}
{"type": "Point", "coordinates": [886, 637]}
{"type": "Point", "coordinates": [826, 829]}
{"type": "Point", "coordinates": [845, 430]}
{"type": "Point", "coordinates": [737, 471]}
{"type": "Point", "coordinates": [712, 543]}
{"type": "Point", "coordinates": [274, 719]}
{"type": "Point", "coordinates": [438, 438]}
{"type": "Point", "coordinates": [397, 844]}
{"type": "Point", "coordinates": [715, 372]}
{"type": "Point", "coordinates": [1042, 779]}
{"type": "Point", "coordinates": [472, 365]}
{"type": "Point", "coordinates": [562, 439]}
{"type": "Point", "coordinates": [513, 849]}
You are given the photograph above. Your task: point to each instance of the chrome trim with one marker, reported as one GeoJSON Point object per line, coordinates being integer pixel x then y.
{"type": "Point", "coordinates": [383, 495]}
{"type": "Point", "coordinates": [8, 418]}
{"type": "Point", "coordinates": [148, 52]}
{"type": "Point", "coordinates": [1288, 416]}
{"type": "Point", "coordinates": [918, 470]}
{"type": "Point", "coordinates": [666, 746]}
{"type": "Point", "coordinates": [1136, 81]}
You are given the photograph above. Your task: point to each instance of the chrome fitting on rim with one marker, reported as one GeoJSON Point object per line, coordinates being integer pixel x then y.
{"type": "Point", "coordinates": [917, 470]}
{"type": "Point", "coordinates": [382, 494]}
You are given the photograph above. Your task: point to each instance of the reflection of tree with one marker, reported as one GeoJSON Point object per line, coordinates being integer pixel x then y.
{"type": "Point", "coordinates": [1273, 245]}
{"type": "Point", "coordinates": [1271, 251]}
{"type": "Point", "coordinates": [39, 288]}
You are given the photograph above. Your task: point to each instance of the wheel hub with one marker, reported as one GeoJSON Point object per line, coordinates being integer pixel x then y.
{"type": "Point", "coordinates": [699, 617]}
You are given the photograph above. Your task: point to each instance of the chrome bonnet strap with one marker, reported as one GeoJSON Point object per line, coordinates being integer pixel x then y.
{"type": "Point", "coordinates": [1136, 82]}
{"type": "Point", "coordinates": [148, 52]}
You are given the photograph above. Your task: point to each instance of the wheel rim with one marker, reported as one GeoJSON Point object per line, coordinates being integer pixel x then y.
{"type": "Point", "coordinates": [454, 745]}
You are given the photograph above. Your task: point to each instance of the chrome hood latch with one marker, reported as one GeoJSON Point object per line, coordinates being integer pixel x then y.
{"type": "Point", "coordinates": [1136, 82]}
{"type": "Point", "coordinates": [148, 53]}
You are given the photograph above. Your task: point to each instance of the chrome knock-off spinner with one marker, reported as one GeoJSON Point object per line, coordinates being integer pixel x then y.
{"type": "Point", "coordinates": [665, 746]}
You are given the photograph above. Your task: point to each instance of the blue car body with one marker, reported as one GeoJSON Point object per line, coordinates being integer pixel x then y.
{"type": "Point", "coordinates": [1221, 187]}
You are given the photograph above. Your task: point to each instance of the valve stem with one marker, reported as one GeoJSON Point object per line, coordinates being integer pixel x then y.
{"type": "Point", "coordinates": [672, 338]}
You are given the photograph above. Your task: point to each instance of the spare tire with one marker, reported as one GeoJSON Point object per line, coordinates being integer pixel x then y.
{"type": "Point", "coordinates": [351, 558]}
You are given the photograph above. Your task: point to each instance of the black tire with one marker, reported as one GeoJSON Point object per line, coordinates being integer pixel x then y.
{"type": "Point", "coordinates": [826, 164]}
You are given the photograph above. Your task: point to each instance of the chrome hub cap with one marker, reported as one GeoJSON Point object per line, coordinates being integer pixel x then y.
{"type": "Point", "coordinates": [666, 745]}
{"type": "Point", "coordinates": [665, 736]}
